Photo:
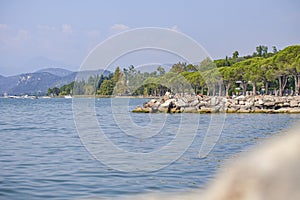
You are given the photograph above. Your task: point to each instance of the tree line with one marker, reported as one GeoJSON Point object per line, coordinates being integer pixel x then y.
{"type": "Point", "coordinates": [263, 72]}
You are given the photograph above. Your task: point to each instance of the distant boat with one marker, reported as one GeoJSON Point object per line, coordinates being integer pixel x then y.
{"type": "Point", "coordinates": [68, 97]}
{"type": "Point", "coordinates": [45, 97]}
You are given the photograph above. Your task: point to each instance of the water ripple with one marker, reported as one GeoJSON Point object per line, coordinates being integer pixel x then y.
{"type": "Point", "coordinates": [42, 157]}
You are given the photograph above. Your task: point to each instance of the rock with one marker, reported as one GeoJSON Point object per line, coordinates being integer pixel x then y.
{"type": "Point", "coordinates": [190, 110]}
{"type": "Point", "coordinates": [214, 101]}
{"type": "Point", "coordinates": [151, 103]}
{"type": "Point", "coordinates": [166, 103]}
{"type": "Point", "coordinates": [294, 110]}
{"type": "Point", "coordinates": [142, 110]}
{"type": "Point", "coordinates": [281, 110]}
{"type": "Point", "coordinates": [236, 107]}
{"type": "Point", "coordinates": [249, 103]}
{"type": "Point", "coordinates": [227, 104]}
{"type": "Point", "coordinates": [167, 96]}
{"type": "Point", "coordinates": [241, 102]}
{"type": "Point", "coordinates": [231, 110]}
{"type": "Point", "coordinates": [243, 111]}
{"type": "Point", "coordinates": [162, 109]}
{"type": "Point", "coordinates": [261, 102]}
{"type": "Point", "coordinates": [194, 103]}
{"type": "Point", "coordinates": [202, 103]}
{"type": "Point", "coordinates": [294, 103]}
{"type": "Point", "coordinates": [181, 103]}
{"type": "Point", "coordinates": [269, 171]}
{"type": "Point", "coordinates": [269, 104]}
{"type": "Point", "coordinates": [241, 98]}
{"type": "Point", "coordinates": [279, 105]}
{"type": "Point", "coordinates": [244, 107]}
{"type": "Point", "coordinates": [155, 106]}
{"type": "Point", "coordinates": [205, 104]}
{"type": "Point", "coordinates": [206, 110]}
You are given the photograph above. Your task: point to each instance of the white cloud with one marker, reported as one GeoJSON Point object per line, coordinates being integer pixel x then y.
{"type": "Point", "coordinates": [118, 28]}
{"type": "Point", "coordinates": [66, 28]}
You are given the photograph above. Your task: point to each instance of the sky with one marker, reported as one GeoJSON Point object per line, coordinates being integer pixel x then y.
{"type": "Point", "coordinates": [39, 33]}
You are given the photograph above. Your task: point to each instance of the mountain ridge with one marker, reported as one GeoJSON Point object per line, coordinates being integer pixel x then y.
{"type": "Point", "coordinates": [38, 82]}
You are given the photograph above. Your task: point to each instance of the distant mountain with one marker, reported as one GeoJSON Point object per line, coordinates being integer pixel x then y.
{"type": "Point", "coordinates": [37, 83]}
{"type": "Point", "coordinates": [56, 71]}
{"type": "Point", "coordinates": [8, 83]}
{"type": "Point", "coordinates": [34, 83]}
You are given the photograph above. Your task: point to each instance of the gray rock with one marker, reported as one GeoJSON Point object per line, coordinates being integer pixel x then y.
{"type": "Point", "coordinates": [227, 104]}
{"type": "Point", "coordinates": [241, 98]}
{"type": "Point", "coordinates": [243, 111]}
{"type": "Point", "coordinates": [214, 101]}
{"type": "Point", "coordinates": [166, 103]}
{"type": "Point", "coordinates": [241, 102]}
{"type": "Point", "coordinates": [261, 102]}
{"type": "Point", "coordinates": [236, 107]}
{"type": "Point", "coordinates": [294, 103]}
{"type": "Point", "coordinates": [269, 104]}
{"type": "Point", "coordinates": [181, 103]}
{"type": "Point", "coordinates": [294, 110]}
{"type": "Point", "coordinates": [189, 110]}
{"type": "Point", "coordinates": [194, 103]}
{"type": "Point", "coordinates": [162, 109]}
{"type": "Point", "coordinates": [202, 103]}
{"type": "Point", "coordinates": [244, 107]}
{"type": "Point", "coordinates": [206, 110]}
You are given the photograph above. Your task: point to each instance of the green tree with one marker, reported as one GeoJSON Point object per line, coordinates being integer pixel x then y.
{"type": "Point", "coordinates": [287, 65]}
{"type": "Point", "coordinates": [161, 71]}
{"type": "Point", "coordinates": [49, 92]}
{"type": "Point", "coordinates": [235, 55]}
{"type": "Point", "coordinates": [117, 75]}
{"type": "Point", "coordinates": [107, 87]}
{"type": "Point", "coordinates": [229, 77]}
{"type": "Point", "coordinates": [178, 67]}
{"type": "Point", "coordinates": [274, 49]}
{"type": "Point", "coordinates": [56, 91]}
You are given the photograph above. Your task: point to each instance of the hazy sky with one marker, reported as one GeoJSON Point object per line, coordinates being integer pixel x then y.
{"type": "Point", "coordinates": [63, 32]}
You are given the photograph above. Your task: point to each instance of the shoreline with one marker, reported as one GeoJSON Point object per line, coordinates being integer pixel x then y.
{"type": "Point", "coordinates": [207, 104]}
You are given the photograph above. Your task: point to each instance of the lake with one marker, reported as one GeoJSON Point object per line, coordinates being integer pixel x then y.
{"type": "Point", "coordinates": [43, 156]}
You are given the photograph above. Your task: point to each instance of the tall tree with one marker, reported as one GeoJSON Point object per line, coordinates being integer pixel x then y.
{"type": "Point", "coordinates": [235, 55]}
{"type": "Point", "coordinates": [161, 71]}
{"type": "Point", "coordinates": [56, 91]}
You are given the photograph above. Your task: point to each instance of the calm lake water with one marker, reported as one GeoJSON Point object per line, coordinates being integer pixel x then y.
{"type": "Point", "coordinates": [42, 156]}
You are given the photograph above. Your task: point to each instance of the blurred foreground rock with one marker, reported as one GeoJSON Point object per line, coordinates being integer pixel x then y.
{"type": "Point", "coordinates": [270, 172]}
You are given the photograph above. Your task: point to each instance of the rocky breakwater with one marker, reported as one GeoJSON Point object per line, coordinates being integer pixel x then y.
{"type": "Point", "coordinates": [208, 104]}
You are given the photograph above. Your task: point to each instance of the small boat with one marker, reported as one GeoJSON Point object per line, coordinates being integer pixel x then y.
{"type": "Point", "coordinates": [68, 97]}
